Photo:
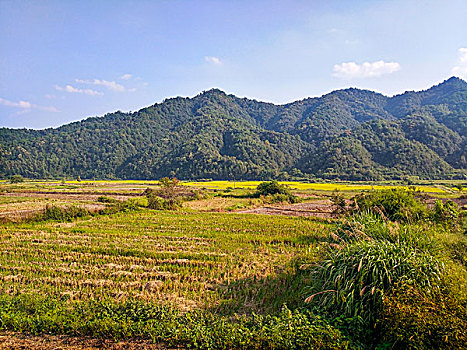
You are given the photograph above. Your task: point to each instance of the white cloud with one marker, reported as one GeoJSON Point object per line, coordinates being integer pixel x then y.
{"type": "Point", "coordinates": [112, 85]}
{"type": "Point", "coordinates": [26, 105]}
{"type": "Point", "coordinates": [348, 70]}
{"type": "Point", "coordinates": [460, 70]}
{"type": "Point", "coordinates": [350, 42]}
{"type": "Point", "coordinates": [213, 60]}
{"type": "Point", "coordinates": [335, 31]}
{"type": "Point", "coordinates": [126, 77]}
{"type": "Point", "coordinates": [72, 89]}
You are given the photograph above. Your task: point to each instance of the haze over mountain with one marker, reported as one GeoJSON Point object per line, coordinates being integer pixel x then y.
{"type": "Point", "coordinates": [348, 134]}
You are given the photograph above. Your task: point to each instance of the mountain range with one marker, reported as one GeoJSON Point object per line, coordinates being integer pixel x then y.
{"type": "Point", "coordinates": [347, 134]}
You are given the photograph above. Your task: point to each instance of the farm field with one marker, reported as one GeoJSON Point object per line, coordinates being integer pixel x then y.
{"type": "Point", "coordinates": [133, 185]}
{"type": "Point", "coordinates": [231, 262]}
{"type": "Point", "coordinates": [200, 276]}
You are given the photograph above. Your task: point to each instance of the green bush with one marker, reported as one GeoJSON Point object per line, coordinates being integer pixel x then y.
{"type": "Point", "coordinates": [16, 179]}
{"type": "Point", "coordinates": [159, 203]}
{"type": "Point", "coordinates": [338, 200]}
{"type": "Point", "coordinates": [395, 204]}
{"type": "Point", "coordinates": [279, 198]}
{"type": "Point", "coordinates": [370, 226]}
{"type": "Point", "coordinates": [53, 212]}
{"type": "Point", "coordinates": [272, 187]}
{"type": "Point", "coordinates": [414, 319]}
{"type": "Point", "coordinates": [447, 212]}
{"type": "Point", "coordinates": [274, 192]}
{"type": "Point", "coordinates": [121, 206]}
{"type": "Point", "coordinates": [104, 199]}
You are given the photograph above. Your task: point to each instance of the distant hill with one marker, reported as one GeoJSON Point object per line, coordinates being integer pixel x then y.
{"type": "Point", "coordinates": [347, 134]}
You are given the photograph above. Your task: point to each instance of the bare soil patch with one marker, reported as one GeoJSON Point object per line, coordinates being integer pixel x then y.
{"type": "Point", "coordinates": [16, 341]}
{"type": "Point", "coordinates": [322, 208]}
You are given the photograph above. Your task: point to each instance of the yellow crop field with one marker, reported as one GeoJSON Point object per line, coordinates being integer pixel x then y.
{"type": "Point", "coordinates": [222, 185]}
{"type": "Point", "coordinates": [307, 186]}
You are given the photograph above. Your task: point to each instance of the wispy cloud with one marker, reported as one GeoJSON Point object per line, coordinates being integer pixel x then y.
{"type": "Point", "coordinates": [348, 70]}
{"type": "Point", "coordinates": [75, 90]}
{"type": "Point", "coordinates": [111, 85]}
{"type": "Point", "coordinates": [126, 76]}
{"type": "Point", "coordinates": [213, 60]}
{"type": "Point", "coordinates": [335, 31]}
{"type": "Point", "coordinates": [350, 42]}
{"type": "Point", "coordinates": [460, 69]}
{"type": "Point", "coordinates": [27, 105]}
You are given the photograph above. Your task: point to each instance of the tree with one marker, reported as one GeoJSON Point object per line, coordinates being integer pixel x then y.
{"type": "Point", "coordinates": [166, 198]}
{"type": "Point", "coordinates": [168, 187]}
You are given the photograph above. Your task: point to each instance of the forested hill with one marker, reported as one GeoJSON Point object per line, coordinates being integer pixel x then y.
{"type": "Point", "coordinates": [347, 134]}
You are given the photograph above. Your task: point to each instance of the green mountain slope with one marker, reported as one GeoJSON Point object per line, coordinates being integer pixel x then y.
{"type": "Point", "coordinates": [348, 134]}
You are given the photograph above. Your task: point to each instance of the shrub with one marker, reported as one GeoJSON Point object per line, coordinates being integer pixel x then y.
{"type": "Point", "coordinates": [168, 187]}
{"type": "Point", "coordinates": [121, 206]}
{"type": "Point", "coordinates": [159, 203]}
{"type": "Point", "coordinates": [104, 199]}
{"type": "Point", "coordinates": [338, 200]}
{"type": "Point", "coordinates": [274, 192]}
{"type": "Point", "coordinates": [414, 319]}
{"type": "Point", "coordinates": [272, 187]}
{"type": "Point", "coordinates": [52, 212]}
{"type": "Point", "coordinates": [167, 197]}
{"type": "Point", "coordinates": [447, 212]}
{"type": "Point", "coordinates": [14, 179]}
{"type": "Point", "coordinates": [395, 204]}
{"type": "Point", "coordinates": [279, 198]}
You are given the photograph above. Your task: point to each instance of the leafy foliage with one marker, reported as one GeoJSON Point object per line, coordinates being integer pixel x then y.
{"type": "Point", "coordinates": [14, 179]}
{"type": "Point", "coordinates": [167, 197]}
{"type": "Point", "coordinates": [272, 187]}
{"type": "Point", "coordinates": [53, 212]}
{"type": "Point", "coordinates": [395, 204]}
{"type": "Point", "coordinates": [198, 330]}
{"type": "Point", "coordinates": [274, 192]}
{"type": "Point", "coordinates": [446, 212]}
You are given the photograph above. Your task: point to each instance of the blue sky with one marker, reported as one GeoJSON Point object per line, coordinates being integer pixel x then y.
{"type": "Point", "coordinates": [62, 61]}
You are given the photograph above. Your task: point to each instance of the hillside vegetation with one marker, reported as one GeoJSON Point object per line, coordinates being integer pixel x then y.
{"type": "Point", "coordinates": [347, 134]}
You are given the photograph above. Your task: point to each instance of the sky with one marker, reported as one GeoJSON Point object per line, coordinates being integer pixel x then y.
{"type": "Point", "coordinates": [62, 61]}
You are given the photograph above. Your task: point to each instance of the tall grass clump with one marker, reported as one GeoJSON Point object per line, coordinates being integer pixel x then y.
{"type": "Point", "coordinates": [369, 258]}
{"type": "Point", "coordinates": [353, 280]}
